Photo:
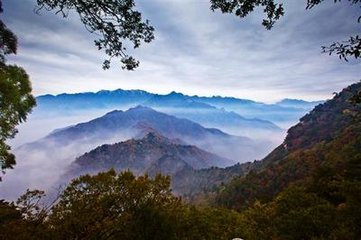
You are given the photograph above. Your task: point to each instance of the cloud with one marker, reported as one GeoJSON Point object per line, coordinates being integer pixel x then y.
{"type": "Point", "coordinates": [196, 51]}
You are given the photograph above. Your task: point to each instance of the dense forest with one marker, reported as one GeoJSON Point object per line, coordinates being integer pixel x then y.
{"type": "Point", "coordinates": [307, 188]}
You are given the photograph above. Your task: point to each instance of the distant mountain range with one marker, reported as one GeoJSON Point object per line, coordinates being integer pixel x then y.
{"type": "Point", "coordinates": [296, 103]}
{"type": "Point", "coordinates": [277, 113]}
{"type": "Point", "coordinates": [225, 110]}
{"type": "Point", "coordinates": [49, 157]}
{"type": "Point", "coordinates": [119, 97]}
{"type": "Point", "coordinates": [89, 100]}
{"type": "Point", "coordinates": [192, 108]}
{"type": "Point", "coordinates": [120, 125]}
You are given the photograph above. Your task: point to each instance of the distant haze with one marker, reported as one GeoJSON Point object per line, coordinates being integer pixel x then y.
{"type": "Point", "coordinates": [66, 126]}
{"type": "Point", "coordinates": [46, 118]}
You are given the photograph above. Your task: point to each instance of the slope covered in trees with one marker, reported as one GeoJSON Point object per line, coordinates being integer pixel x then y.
{"type": "Point", "coordinates": [309, 187]}
{"type": "Point", "coordinates": [328, 129]}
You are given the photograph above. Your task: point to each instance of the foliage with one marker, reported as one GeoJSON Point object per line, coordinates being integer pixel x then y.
{"type": "Point", "coordinates": [8, 40]}
{"type": "Point", "coordinates": [345, 49]}
{"type": "Point", "coordinates": [211, 224]}
{"type": "Point", "coordinates": [274, 11]}
{"type": "Point", "coordinates": [302, 215]}
{"type": "Point", "coordinates": [325, 121]}
{"type": "Point", "coordinates": [126, 207]}
{"type": "Point", "coordinates": [29, 206]}
{"type": "Point", "coordinates": [242, 8]}
{"type": "Point", "coordinates": [112, 20]}
{"type": "Point", "coordinates": [356, 99]}
{"type": "Point", "coordinates": [323, 206]}
{"type": "Point", "coordinates": [198, 185]}
{"type": "Point", "coordinates": [116, 206]}
{"type": "Point", "coordinates": [16, 102]}
{"type": "Point", "coordinates": [258, 221]}
{"type": "Point", "coordinates": [15, 225]}
{"type": "Point", "coordinates": [10, 220]}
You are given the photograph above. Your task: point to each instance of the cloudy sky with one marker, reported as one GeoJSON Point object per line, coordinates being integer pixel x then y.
{"type": "Point", "coordinates": [196, 51]}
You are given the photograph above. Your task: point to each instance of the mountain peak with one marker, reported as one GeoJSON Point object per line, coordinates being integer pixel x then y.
{"type": "Point", "coordinates": [139, 108]}
{"type": "Point", "coordinates": [153, 152]}
{"type": "Point", "coordinates": [175, 94]}
{"type": "Point", "coordinates": [157, 138]}
{"type": "Point", "coordinates": [113, 112]}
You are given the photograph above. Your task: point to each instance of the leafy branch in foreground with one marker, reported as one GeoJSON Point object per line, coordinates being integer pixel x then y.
{"type": "Point", "coordinates": [272, 10]}
{"type": "Point", "coordinates": [112, 20]}
{"type": "Point", "coordinates": [8, 40]}
{"type": "Point", "coordinates": [348, 48]}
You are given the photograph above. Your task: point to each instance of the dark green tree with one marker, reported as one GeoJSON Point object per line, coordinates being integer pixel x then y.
{"type": "Point", "coordinates": [274, 11]}
{"type": "Point", "coordinates": [303, 215]}
{"type": "Point", "coordinates": [16, 100]}
{"type": "Point", "coordinates": [112, 206]}
{"type": "Point", "coordinates": [123, 206]}
{"type": "Point", "coordinates": [22, 220]}
{"type": "Point", "coordinates": [10, 219]}
{"type": "Point", "coordinates": [8, 40]}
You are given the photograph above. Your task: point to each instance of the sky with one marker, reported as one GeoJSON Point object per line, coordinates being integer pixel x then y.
{"type": "Point", "coordinates": [195, 51]}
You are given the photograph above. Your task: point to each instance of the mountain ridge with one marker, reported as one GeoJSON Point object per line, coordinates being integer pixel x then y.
{"type": "Point", "coordinates": [151, 154]}
{"type": "Point", "coordinates": [136, 121]}
{"type": "Point", "coordinates": [171, 93]}
{"type": "Point", "coordinates": [245, 108]}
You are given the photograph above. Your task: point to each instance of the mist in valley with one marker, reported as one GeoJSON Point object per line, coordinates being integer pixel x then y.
{"type": "Point", "coordinates": [42, 159]}
{"type": "Point", "coordinates": [41, 164]}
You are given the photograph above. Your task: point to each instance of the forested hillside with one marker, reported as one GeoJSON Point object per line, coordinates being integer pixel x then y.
{"type": "Point", "coordinates": [310, 186]}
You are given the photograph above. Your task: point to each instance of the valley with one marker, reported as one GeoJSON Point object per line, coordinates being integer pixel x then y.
{"type": "Point", "coordinates": [209, 132]}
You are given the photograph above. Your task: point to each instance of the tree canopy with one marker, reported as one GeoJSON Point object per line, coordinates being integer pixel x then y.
{"type": "Point", "coordinates": [115, 206]}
